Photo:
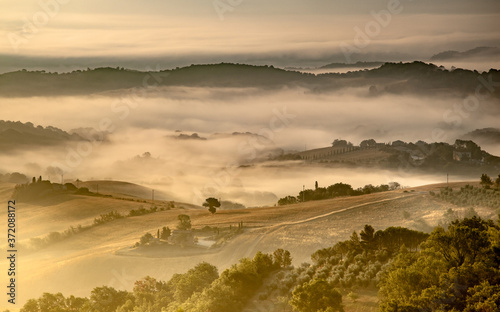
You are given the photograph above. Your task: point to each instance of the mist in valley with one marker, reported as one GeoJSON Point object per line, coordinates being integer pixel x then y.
{"type": "Point", "coordinates": [191, 143]}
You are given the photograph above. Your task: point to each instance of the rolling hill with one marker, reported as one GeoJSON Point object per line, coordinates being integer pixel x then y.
{"type": "Point", "coordinates": [397, 78]}
{"type": "Point", "coordinates": [15, 134]}
{"type": "Point", "coordinates": [462, 157]}
{"type": "Point", "coordinates": [100, 255]}
{"type": "Point", "coordinates": [476, 52]}
{"type": "Point", "coordinates": [124, 189]}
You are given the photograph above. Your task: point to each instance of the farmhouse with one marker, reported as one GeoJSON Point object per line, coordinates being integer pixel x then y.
{"type": "Point", "coordinates": [461, 156]}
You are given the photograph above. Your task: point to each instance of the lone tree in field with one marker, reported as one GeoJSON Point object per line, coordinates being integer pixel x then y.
{"type": "Point", "coordinates": [212, 204]}
{"type": "Point", "coordinates": [184, 222]}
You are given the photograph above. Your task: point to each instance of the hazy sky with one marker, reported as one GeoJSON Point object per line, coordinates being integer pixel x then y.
{"type": "Point", "coordinates": [169, 33]}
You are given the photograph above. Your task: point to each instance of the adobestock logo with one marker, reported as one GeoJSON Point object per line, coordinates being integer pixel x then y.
{"type": "Point", "coordinates": [223, 6]}
{"type": "Point", "coordinates": [364, 36]}
{"type": "Point", "coordinates": [121, 109]}
{"type": "Point", "coordinates": [249, 151]}
{"type": "Point", "coordinates": [48, 10]}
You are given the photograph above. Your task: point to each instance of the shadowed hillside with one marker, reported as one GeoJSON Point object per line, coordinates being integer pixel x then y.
{"type": "Point", "coordinates": [416, 77]}
{"type": "Point", "coordinates": [476, 52]}
{"type": "Point", "coordinates": [487, 135]}
{"type": "Point", "coordinates": [22, 135]}
{"type": "Point", "coordinates": [463, 156]}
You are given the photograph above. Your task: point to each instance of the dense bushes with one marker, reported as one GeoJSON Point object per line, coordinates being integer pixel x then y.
{"type": "Point", "coordinates": [357, 261]}
{"type": "Point", "coordinates": [469, 196]}
{"type": "Point", "coordinates": [457, 269]}
{"type": "Point", "coordinates": [55, 237]}
{"type": "Point", "coordinates": [317, 295]}
{"type": "Point", "coordinates": [142, 211]}
{"type": "Point", "coordinates": [343, 268]}
{"type": "Point", "coordinates": [36, 243]}
{"type": "Point", "coordinates": [200, 289]}
{"type": "Point", "coordinates": [54, 303]}
{"type": "Point", "coordinates": [107, 217]}
{"type": "Point", "coordinates": [236, 285]}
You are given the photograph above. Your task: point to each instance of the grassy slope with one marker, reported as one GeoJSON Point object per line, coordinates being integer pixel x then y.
{"type": "Point", "coordinates": [122, 189]}
{"type": "Point", "coordinates": [89, 259]}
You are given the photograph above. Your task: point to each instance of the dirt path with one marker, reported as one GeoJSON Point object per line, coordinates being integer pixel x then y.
{"type": "Point", "coordinates": [249, 242]}
{"type": "Point", "coordinates": [341, 210]}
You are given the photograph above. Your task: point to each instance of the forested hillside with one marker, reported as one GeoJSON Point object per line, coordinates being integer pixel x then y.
{"type": "Point", "coordinates": [396, 78]}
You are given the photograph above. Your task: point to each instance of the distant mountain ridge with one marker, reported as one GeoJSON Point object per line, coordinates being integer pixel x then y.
{"type": "Point", "coordinates": [491, 135]}
{"type": "Point", "coordinates": [476, 52]}
{"type": "Point", "coordinates": [26, 83]}
{"type": "Point", "coordinates": [358, 64]}
{"type": "Point", "coordinates": [413, 78]}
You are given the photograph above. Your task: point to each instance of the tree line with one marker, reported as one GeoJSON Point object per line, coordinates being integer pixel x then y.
{"type": "Point", "coordinates": [487, 195]}
{"type": "Point", "coordinates": [335, 190]}
{"type": "Point", "coordinates": [199, 289]}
